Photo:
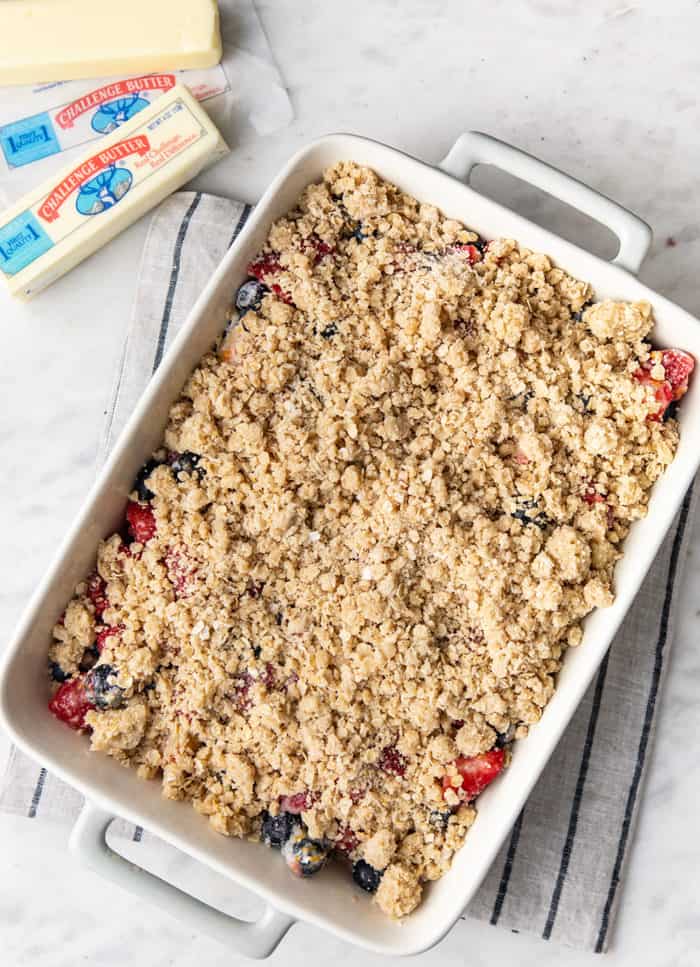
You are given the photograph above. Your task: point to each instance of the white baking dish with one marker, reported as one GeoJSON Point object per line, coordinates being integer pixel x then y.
{"type": "Point", "coordinates": [112, 790]}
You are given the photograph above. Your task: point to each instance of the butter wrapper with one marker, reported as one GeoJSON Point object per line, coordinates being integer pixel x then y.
{"type": "Point", "coordinates": [124, 175]}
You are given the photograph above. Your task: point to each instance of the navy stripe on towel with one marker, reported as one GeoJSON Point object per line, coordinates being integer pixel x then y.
{"type": "Point", "coordinates": [646, 728]}
{"type": "Point", "coordinates": [507, 868]}
{"type": "Point", "coordinates": [578, 796]}
{"type": "Point", "coordinates": [174, 274]}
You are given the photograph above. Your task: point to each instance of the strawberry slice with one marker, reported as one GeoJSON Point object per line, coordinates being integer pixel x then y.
{"type": "Point", "coordinates": [142, 522]}
{"type": "Point", "coordinates": [475, 773]}
{"type": "Point", "coordinates": [678, 365]}
{"type": "Point", "coordinates": [471, 251]}
{"type": "Point", "coordinates": [70, 704]}
{"type": "Point", "coordinates": [97, 592]}
{"type": "Point", "coordinates": [105, 633]}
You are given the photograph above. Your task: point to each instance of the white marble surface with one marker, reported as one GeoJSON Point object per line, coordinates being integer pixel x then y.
{"type": "Point", "coordinates": [607, 91]}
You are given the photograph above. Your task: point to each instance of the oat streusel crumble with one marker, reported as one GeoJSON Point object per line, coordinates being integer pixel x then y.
{"type": "Point", "coordinates": [381, 509]}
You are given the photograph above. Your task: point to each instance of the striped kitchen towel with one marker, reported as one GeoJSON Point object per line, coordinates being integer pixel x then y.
{"type": "Point", "coordinates": [559, 872]}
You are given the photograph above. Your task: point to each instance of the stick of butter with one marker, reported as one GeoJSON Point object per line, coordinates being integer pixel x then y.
{"type": "Point", "coordinates": [61, 40]}
{"type": "Point", "coordinates": [77, 210]}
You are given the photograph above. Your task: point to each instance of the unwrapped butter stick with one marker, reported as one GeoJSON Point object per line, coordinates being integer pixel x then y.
{"type": "Point", "coordinates": [63, 40]}
{"type": "Point", "coordinates": [84, 205]}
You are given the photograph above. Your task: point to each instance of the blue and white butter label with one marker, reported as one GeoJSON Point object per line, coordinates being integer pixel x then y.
{"type": "Point", "coordinates": [97, 184]}
{"type": "Point", "coordinates": [62, 124]}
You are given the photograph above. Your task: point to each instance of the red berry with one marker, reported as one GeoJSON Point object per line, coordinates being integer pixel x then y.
{"type": "Point", "coordinates": [281, 294]}
{"type": "Point", "coordinates": [321, 248]}
{"type": "Point", "coordinates": [298, 802]}
{"type": "Point", "coordinates": [105, 633]}
{"type": "Point", "coordinates": [180, 571]}
{"type": "Point", "coordinates": [356, 795]}
{"type": "Point", "coordinates": [241, 695]}
{"type": "Point", "coordinates": [142, 522]}
{"type": "Point", "coordinates": [70, 703]}
{"type": "Point", "coordinates": [475, 773]}
{"type": "Point", "coordinates": [269, 676]}
{"type": "Point", "coordinates": [591, 495]}
{"type": "Point", "coordinates": [471, 251]}
{"type": "Point", "coordinates": [678, 365]}
{"type": "Point", "coordinates": [264, 265]}
{"type": "Point", "coordinates": [392, 761]}
{"type": "Point", "coordinates": [97, 592]}
{"type": "Point", "coordinates": [347, 841]}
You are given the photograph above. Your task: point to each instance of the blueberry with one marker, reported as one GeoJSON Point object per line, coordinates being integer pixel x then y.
{"type": "Point", "coordinates": [89, 659]}
{"type": "Point", "coordinates": [141, 477]}
{"type": "Point", "coordinates": [276, 830]}
{"type": "Point", "coordinates": [522, 399]}
{"type": "Point", "coordinates": [481, 244]}
{"type": "Point", "coordinates": [250, 295]}
{"type": "Point", "coordinates": [257, 651]}
{"type": "Point", "coordinates": [671, 411]}
{"type": "Point", "coordinates": [439, 819]}
{"type": "Point", "coordinates": [102, 692]}
{"type": "Point", "coordinates": [505, 738]}
{"type": "Point", "coordinates": [278, 619]}
{"type": "Point", "coordinates": [304, 856]}
{"type": "Point", "coordinates": [523, 513]}
{"type": "Point", "coordinates": [578, 316]}
{"type": "Point", "coordinates": [366, 877]}
{"type": "Point", "coordinates": [186, 462]}
{"type": "Point", "coordinates": [57, 673]}
{"type": "Point", "coordinates": [584, 399]}
{"type": "Point", "coordinates": [330, 331]}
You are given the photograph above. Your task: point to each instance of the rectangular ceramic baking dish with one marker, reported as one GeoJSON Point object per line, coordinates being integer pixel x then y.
{"type": "Point", "coordinates": [112, 791]}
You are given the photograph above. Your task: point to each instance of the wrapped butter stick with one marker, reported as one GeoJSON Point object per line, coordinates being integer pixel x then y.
{"type": "Point", "coordinates": [81, 207]}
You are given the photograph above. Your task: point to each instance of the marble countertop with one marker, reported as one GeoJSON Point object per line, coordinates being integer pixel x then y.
{"type": "Point", "coordinates": [607, 91]}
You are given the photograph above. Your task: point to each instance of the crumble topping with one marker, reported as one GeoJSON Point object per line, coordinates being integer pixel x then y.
{"type": "Point", "coordinates": [382, 506]}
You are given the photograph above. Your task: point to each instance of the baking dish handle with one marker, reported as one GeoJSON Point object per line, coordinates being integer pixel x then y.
{"type": "Point", "coordinates": [473, 148]}
{"type": "Point", "coordinates": [258, 939]}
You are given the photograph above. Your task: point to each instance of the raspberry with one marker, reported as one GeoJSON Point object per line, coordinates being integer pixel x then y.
{"type": "Point", "coordinates": [347, 841]}
{"type": "Point", "coordinates": [142, 522]}
{"type": "Point", "coordinates": [105, 633]}
{"type": "Point", "coordinates": [70, 704]}
{"type": "Point", "coordinates": [678, 365]}
{"type": "Point", "coordinates": [319, 247]}
{"type": "Point", "coordinates": [475, 773]}
{"type": "Point", "coordinates": [264, 265]}
{"type": "Point", "coordinates": [241, 695]}
{"type": "Point", "coordinates": [281, 294]}
{"type": "Point", "coordinates": [97, 592]}
{"type": "Point", "coordinates": [591, 495]}
{"type": "Point", "coordinates": [298, 802]}
{"type": "Point", "coordinates": [392, 761]}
